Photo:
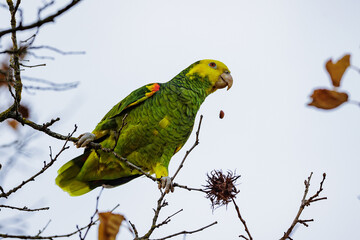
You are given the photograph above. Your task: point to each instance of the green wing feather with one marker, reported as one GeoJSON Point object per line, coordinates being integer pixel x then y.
{"type": "Point", "coordinates": [134, 98]}
{"type": "Point", "coordinates": [109, 121]}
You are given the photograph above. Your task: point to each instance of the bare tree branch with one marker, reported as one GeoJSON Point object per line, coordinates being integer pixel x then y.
{"type": "Point", "coordinates": [43, 229]}
{"type": "Point", "coordinates": [9, 144]}
{"type": "Point", "coordinates": [46, 166]}
{"type": "Point", "coordinates": [243, 222]}
{"type": "Point", "coordinates": [46, 5]}
{"type": "Point", "coordinates": [15, 64]}
{"type": "Point", "coordinates": [168, 219]}
{"type": "Point", "coordinates": [43, 128]}
{"type": "Point", "coordinates": [41, 22]}
{"type": "Point", "coordinates": [305, 203]}
{"type": "Point", "coordinates": [78, 231]}
{"type": "Point", "coordinates": [33, 66]}
{"type": "Point", "coordinates": [46, 85]}
{"type": "Point", "coordinates": [26, 209]}
{"type": "Point", "coordinates": [187, 232]}
{"type": "Point", "coordinates": [160, 204]}
{"type": "Point", "coordinates": [189, 188]}
{"type": "Point", "coordinates": [57, 50]}
{"type": "Point", "coordinates": [92, 222]}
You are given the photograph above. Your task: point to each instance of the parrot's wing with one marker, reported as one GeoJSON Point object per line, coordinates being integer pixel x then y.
{"type": "Point", "coordinates": [109, 120]}
{"type": "Point", "coordinates": [134, 98]}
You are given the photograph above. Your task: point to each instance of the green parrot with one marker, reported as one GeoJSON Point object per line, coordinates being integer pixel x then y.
{"type": "Point", "coordinates": [158, 120]}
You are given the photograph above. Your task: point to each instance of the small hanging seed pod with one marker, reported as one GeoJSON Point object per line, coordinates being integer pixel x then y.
{"type": "Point", "coordinates": [221, 114]}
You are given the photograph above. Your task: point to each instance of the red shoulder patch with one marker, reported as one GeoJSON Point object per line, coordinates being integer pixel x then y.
{"type": "Point", "coordinates": [153, 89]}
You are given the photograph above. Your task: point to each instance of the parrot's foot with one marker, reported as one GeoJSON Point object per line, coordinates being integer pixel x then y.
{"type": "Point", "coordinates": [166, 182]}
{"type": "Point", "coordinates": [85, 139]}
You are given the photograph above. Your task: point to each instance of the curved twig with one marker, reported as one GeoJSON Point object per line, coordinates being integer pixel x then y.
{"type": "Point", "coordinates": [39, 23]}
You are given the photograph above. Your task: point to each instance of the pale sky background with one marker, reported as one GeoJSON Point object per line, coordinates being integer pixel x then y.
{"type": "Point", "coordinates": [276, 51]}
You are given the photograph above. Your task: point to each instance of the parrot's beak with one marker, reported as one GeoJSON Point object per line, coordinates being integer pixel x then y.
{"type": "Point", "coordinates": [225, 79]}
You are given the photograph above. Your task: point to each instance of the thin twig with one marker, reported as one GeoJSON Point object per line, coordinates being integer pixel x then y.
{"type": "Point", "coordinates": [134, 229]}
{"type": "Point", "coordinates": [355, 68]}
{"type": "Point", "coordinates": [33, 66]}
{"type": "Point", "coordinates": [29, 38]}
{"type": "Point", "coordinates": [9, 144]}
{"type": "Point", "coordinates": [127, 162]}
{"type": "Point", "coordinates": [58, 50]}
{"type": "Point", "coordinates": [189, 151]}
{"type": "Point", "coordinates": [160, 204]}
{"type": "Point", "coordinates": [46, 5]}
{"type": "Point", "coordinates": [41, 128]}
{"type": "Point", "coordinates": [305, 203]}
{"type": "Point", "coordinates": [43, 229]}
{"type": "Point", "coordinates": [187, 232]}
{"type": "Point", "coordinates": [38, 88]}
{"type": "Point", "coordinates": [39, 57]}
{"type": "Point", "coordinates": [39, 23]}
{"type": "Point", "coordinates": [189, 188]}
{"type": "Point", "coordinates": [50, 83]}
{"type": "Point", "coordinates": [243, 221]}
{"type": "Point", "coordinates": [25, 209]}
{"type": "Point", "coordinates": [92, 222]}
{"type": "Point", "coordinates": [54, 236]}
{"type": "Point", "coordinates": [168, 219]}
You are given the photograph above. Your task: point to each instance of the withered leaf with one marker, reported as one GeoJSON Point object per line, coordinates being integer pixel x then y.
{"type": "Point", "coordinates": [337, 70]}
{"type": "Point", "coordinates": [24, 111]}
{"type": "Point", "coordinates": [109, 225]}
{"type": "Point", "coordinates": [13, 124]}
{"type": "Point", "coordinates": [4, 68]}
{"type": "Point", "coordinates": [327, 99]}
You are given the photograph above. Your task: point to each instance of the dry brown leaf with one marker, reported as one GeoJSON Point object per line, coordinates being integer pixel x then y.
{"type": "Point", "coordinates": [24, 111]}
{"type": "Point", "coordinates": [4, 69]}
{"type": "Point", "coordinates": [327, 99]}
{"type": "Point", "coordinates": [336, 70]}
{"type": "Point", "coordinates": [109, 225]}
{"type": "Point", "coordinates": [13, 123]}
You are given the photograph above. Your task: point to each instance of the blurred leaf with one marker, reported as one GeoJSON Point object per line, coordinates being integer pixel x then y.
{"type": "Point", "coordinates": [336, 70]}
{"type": "Point", "coordinates": [109, 225]}
{"type": "Point", "coordinates": [13, 123]}
{"type": "Point", "coordinates": [327, 99]}
{"type": "Point", "coordinates": [3, 71]}
{"type": "Point", "coordinates": [24, 111]}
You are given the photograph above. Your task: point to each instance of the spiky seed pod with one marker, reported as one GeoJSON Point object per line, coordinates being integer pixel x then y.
{"type": "Point", "coordinates": [221, 187]}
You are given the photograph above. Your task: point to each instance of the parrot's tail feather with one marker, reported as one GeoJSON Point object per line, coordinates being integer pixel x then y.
{"type": "Point", "coordinates": [66, 178]}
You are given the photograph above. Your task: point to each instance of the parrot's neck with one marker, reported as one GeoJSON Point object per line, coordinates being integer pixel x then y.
{"type": "Point", "coordinates": [191, 92]}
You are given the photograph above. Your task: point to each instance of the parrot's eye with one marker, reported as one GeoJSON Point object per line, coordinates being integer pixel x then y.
{"type": "Point", "coordinates": [213, 65]}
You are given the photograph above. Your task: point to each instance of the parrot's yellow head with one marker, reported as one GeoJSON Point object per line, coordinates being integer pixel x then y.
{"type": "Point", "coordinates": [215, 71]}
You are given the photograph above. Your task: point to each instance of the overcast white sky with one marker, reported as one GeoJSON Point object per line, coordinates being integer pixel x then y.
{"type": "Point", "coordinates": [276, 51]}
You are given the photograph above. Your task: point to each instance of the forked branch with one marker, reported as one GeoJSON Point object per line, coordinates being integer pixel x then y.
{"type": "Point", "coordinates": [305, 203]}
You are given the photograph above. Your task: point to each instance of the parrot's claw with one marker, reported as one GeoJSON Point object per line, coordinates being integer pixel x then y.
{"type": "Point", "coordinates": [85, 139]}
{"type": "Point", "coordinates": [166, 182]}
